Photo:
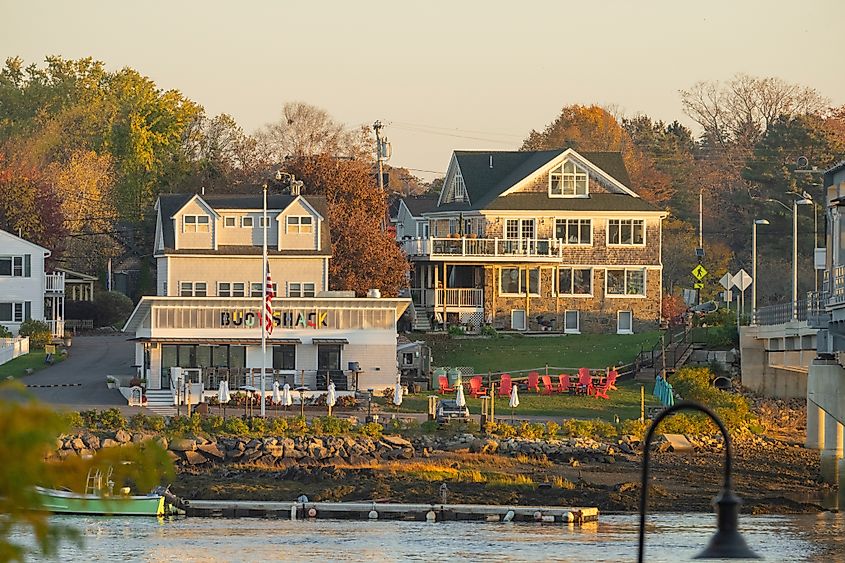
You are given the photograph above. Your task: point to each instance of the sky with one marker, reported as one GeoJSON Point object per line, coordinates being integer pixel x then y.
{"type": "Point", "coordinates": [440, 75]}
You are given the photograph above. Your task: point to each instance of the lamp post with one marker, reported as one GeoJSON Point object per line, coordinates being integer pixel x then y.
{"type": "Point", "coordinates": [795, 204]}
{"type": "Point", "coordinates": [754, 268]}
{"type": "Point", "coordinates": [727, 542]}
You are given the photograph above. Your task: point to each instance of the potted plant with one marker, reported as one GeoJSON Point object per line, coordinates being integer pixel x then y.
{"type": "Point", "coordinates": [112, 382]}
{"type": "Point", "coordinates": [67, 339]}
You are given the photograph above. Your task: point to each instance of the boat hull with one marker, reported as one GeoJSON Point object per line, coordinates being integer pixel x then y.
{"type": "Point", "coordinates": [65, 502]}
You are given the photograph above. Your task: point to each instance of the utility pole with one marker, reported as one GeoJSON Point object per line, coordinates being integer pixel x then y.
{"type": "Point", "coordinates": [377, 127]}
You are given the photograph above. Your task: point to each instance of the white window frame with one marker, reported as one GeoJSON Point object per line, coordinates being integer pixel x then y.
{"type": "Point", "coordinates": [302, 289]}
{"type": "Point", "coordinates": [18, 310]}
{"type": "Point", "coordinates": [17, 267]}
{"type": "Point", "coordinates": [577, 329]}
{"type": "Point", "coordinates": [224, 293]}
{"type": "Point", "coordinates": [459, 189]}
{"type": "Point", "coordinates": [621, 224]}
{"type": "Point", "coordinates": [578, 224]}
{"type": "Point", "coordinates": [298, 227]}
{"type": "Point", "coordinates": [242, 289]}
{"type": "Point", "coordinates": [562, 293]}
{"type": "Point", "coordinates": [256, 289]}
{"type": "Point", "coordinates": [619, 329]}
{"type": "Point", "coordinates": [195, 287]}
{"type": "Point", "coordinates": [261, 221]}
{"type": "Point", "coordinates": [559, 176]}
{"type": "Point", "coordinates": [422, 229]}
{"type": "Point", "coordinates": [625, 294]}
{"type": "Point", "coordinates": [523, 283]}
{"type": "Point", "coordinates": [197, 221]}
{"type": "Point", "coordinates": [524, 319]}
{"type": "Point", "coordinates": [227, 219]}
{"type": "Point", "coordinates": [247, 222]}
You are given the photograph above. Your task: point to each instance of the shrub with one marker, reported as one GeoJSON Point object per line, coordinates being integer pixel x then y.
{"type": "Point", "coordinates": [489, 330]}
{"type": "Point", "coordinates": [152, 423]}
{"type": "Point", "coordinates": [235, 427]}
{"type": "Point", "coordinates": [112, 419]}
{"type": "Point", "coordinates": [695, 384]}
{"type": "Point", "coordinates": [588, 428]}
{"type": "Point", "coordinates": [531, 430]}
{"type": "Point", "coordinates": [297, 426]}
{"type": "Point", "coordinates": [346, 402]}
{"type": "Point", "coordinates": [387, 393]}
{"type": "Point", "coordinates": [38, 332]}
{"type": "Point", "coordinates": [212, 424]}
{"type": "Point", "coordinates": [371, 429]}
{"type": "Point", "coordinates": [185, 424]}
{"type": "Point", "coordinates": [5, 332]}
{"type": "Point", "coordinates": [397, 426]}
{"type": "Point", "coordinates": [258, 425]}
{"type": "Point", "coordinates": [456, 330]}
{"type": "Point", "coordinates": [552, 429]}
{"type": "Point", "coordinates": [279, 426]}
{"type": "Point", "coordinates": [502, 429]}
{"type": "Point", "coordinates": [73, 420]}
{"type": "Point", "coordinates": [111, 308]}
{"type": "Point", "coordinates": [429, 427]}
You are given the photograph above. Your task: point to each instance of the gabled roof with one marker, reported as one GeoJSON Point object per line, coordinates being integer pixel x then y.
{"type": "Point", "coordinates": [419, 205]}
{"type": "Point", "coordinates": [484, 183]}
{"type": "Point", "coordinates": [20, 239]}
{"type": "Point", "coordinates": [171, 204]}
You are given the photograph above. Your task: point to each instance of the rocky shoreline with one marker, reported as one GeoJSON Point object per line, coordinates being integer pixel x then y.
{"type": "Point", "coordinates": [772, 476]}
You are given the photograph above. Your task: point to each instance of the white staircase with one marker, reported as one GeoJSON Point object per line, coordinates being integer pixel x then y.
{"type": "Point", "coordinates": [421, 321]}
{"type": "Point", "coordinates": [160, 401]}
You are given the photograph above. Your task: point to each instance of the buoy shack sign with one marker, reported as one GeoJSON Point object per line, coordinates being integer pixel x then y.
{"type": "Point", "coordinates": [281, 319]}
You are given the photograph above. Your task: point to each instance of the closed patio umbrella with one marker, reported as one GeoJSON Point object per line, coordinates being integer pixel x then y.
{"type": "Point", "coordinates": [287, 400]}
{"type": "Point", "coordinates": [277, 396]}
{"type": "Point", "coordinates": [514, 400]}
{"type": "Point", "coordinates": [331, 397]}
{"type": "Point", "coordinates": [397, 393]}
{"type": "Point", "coordinates": [223, 396]}
{"type": "Point", "coordinates": [460, 400]}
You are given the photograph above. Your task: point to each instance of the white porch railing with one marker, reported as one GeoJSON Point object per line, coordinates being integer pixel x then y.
{"type": "Point", "coordinates": [11, 348]}
{"type": "Point", "coordinates": [57, 328]}
{"type": "Point", "coordinates": [459, 297]}
{"type": "Point", "coordinates": [54, 283]}
{"type": "Point", "coordinates": [483, 247]}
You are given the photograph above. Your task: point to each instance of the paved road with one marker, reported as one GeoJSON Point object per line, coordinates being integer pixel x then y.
{"type": "Point", "coordinates": [90, 360]}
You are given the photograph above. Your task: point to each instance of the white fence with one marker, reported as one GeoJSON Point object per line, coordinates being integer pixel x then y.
{"type": "Point", "coordinates": [11, 348]}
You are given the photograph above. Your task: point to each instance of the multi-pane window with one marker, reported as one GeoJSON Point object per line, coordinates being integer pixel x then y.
{"type": "Point", "coordinates": [230, 221]}
{"type": "Point", "coordinates": [574, 231]}
{"type": "Point", "coordinates": [257, 290]}
{"type": "Point", "coordinates": [567, 180]}
{"type": "Point", "coordinates": [195, 223]}
{"type": "Point", "coordinates": [511, 281]}
{"type": "Point", "coordinates": [16, 266]}
{"type": "Point", "coordinates": [626, 231]}
{"type": "Point", "coordinates": [193, 289]}
{"type": "Point", "coordinates": [15, 312]}
{"type": "Point", "coordinates": [246, 222]}
{"type": "Point", "coordinates": [459, 188]}
{"type": "Point", "coordinates": [261, 224]}
{"type": "Point", "coordinates": [300, 225]}
{"type": "Point", "coordinates": [626, 281]}
{"type": "Point", "coordinates": [575, 281]}
{"type": "Point", "coordinates": [301, 289]}
{"type": "Point", "coordinates": [284, 357]}
{"type": "Point", "coordinates": [520, 228]}
{"type": "Point", "coordinates": [230, 289]}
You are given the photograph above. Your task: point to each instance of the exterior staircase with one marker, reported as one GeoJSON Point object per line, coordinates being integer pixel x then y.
{"type": "Point", "coordinates": [677, 354]}
{"type": "Point", "coordinates": [160, 401]}
{"type": "Point", "coordinates": [421, 321]}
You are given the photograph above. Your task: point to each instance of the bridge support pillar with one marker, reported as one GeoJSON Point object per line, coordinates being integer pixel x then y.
{"type": "Point", "coordinates": [832, 452]}
{"type": "Point", "coordinates": [815, 426]}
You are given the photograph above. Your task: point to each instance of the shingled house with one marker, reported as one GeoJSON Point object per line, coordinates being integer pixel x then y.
{"type": "Point", "coordinates": [546, 240]}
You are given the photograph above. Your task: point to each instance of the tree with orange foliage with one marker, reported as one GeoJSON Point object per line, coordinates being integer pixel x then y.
{"type": "Point", "coordinates": [363, 256]}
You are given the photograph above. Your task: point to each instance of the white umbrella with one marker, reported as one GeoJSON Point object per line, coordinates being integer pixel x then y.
{"type": "Point", "coordinates": [514, 401]}
{"type": "Point", "coordinates": [459, 399]}
{"type": "Point", "coordinates": [287, 400]}
{"type": "Point", "coordinates": [331, 398]}
{"type": "Point", "coordinates": [223, 396]}
{"type": "Point", "coordinates": [277, 396]}
{"type": "Point", "coordinates": [397, 393]}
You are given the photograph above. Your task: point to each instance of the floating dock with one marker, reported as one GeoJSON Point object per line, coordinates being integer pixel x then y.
{"type": "Point", "coordinates": [389, 511]}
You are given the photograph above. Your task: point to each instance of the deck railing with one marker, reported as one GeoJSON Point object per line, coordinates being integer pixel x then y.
{"type": "Point", "coordinates": [315, 380]}
{"type": "Point", "coordinates": [54, 283]}
{"type": "Point", "coordinates": [483, 247]}
{"type": "Point", "coordinates": [459, 297]}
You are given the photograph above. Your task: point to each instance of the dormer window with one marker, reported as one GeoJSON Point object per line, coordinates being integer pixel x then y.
{"type": "Point", "coordinates": [567, 180]}
{"type": "Point", "coordinates": [195, 224]}
{"type": "Point", "coordinates": [300, 225]}
{"type": "Point", "coordinates": [459, 190]}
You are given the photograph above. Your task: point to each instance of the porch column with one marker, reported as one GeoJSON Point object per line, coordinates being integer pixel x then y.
{"type": "Point", "coordinates": [445, 278]}
{"type": "Point", "coordinates": [815, 426]}
{"type": "Point", "coordinates": [832, 452]}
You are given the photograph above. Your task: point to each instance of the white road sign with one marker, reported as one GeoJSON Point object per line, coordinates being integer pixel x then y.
{"type": "Point", "coordinates": [741, 280]}
{"type": "Point", "coordinates": [726, 281]}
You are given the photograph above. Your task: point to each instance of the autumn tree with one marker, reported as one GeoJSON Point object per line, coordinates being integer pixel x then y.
{"type": "Point", "coordinates": [363, 256]}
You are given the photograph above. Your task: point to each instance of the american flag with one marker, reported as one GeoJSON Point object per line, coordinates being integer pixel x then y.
{"type": "Point", "coordinates": [268, 306]}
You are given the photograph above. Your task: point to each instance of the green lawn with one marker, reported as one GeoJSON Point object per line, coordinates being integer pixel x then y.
{"type": "Point", "coordinates": [517, 352]}
{"type": "Point", "coordinates": [17, 367]}
{"type": "Point", "coordinates": [624, 403]}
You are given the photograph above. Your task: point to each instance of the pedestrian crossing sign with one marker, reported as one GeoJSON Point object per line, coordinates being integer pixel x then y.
{"type": "Point", "coordinates": [699, 272]}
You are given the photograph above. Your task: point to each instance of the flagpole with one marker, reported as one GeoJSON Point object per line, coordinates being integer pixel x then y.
{"type": "Point", "coordinates": [264, 300]}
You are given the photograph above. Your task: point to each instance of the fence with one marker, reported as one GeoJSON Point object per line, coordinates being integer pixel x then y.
{"type": "Point", "coordinates": [782, 313]}
{"type": "Point", "coordinates": [79, 324]}
{"type": "Point", "coordinates": [11, 348]}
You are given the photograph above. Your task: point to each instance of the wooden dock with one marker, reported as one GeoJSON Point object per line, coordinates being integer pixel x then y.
{"type": "Point", "coordinates": [389, 511]}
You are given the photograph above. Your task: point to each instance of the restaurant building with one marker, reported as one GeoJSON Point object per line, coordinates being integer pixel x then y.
{"type": "Point", "coordinates": [206, 314]}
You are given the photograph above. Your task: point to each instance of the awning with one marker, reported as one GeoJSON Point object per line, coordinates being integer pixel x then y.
{"type": "Point", "coordinates": [237, 341]}
{"type": "Point", "coordinates": [329, 341]}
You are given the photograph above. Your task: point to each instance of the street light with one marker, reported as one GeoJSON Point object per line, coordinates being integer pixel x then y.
{"type": "Point", "coordinates": [805, 200]}
{"type": "Point", "coordinates": [727, 542]}
{"type": "Point", "coordinates": [754, 268]}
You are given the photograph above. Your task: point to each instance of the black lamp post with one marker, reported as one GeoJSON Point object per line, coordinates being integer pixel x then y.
{"type": "Point", "coordinates": [302, 391]}
{"type": "Point", "coordinates": [727, 542]}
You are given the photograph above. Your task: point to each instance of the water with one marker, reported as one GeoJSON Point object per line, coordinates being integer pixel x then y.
{"type": "Point", "coordinates": [669, 538]}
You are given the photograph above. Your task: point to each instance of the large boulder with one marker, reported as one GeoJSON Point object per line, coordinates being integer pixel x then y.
{"type": "Point", "coordinates": [122, 436]}
{"type": "Point", "coordinates": [183, 445]}
{"type": "Point", "coordinates": [211, 451]}
{"type": "Point", "coordinates": [193, 457]}
{"type": "Point", "coordinates": [396, 441]}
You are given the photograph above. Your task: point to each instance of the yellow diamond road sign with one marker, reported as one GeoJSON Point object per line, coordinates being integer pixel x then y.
{"type": "Point", "coordinates": [699, 272]}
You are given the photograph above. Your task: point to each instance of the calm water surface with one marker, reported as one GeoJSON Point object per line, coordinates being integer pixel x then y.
{"type": "Point", "coordinates": [669, 538]}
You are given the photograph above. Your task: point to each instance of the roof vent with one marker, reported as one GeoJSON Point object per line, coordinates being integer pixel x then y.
{"type": "Point", "coordinates": [374, 293]}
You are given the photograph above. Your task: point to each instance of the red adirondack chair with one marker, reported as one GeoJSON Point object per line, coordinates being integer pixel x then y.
{"type": "Point", "coordinates": [611, 379]}
{"type": "Point", "coordinates": [475, 388]}
{"type": "Point", "coordinates": [585, 382]}
{"type": "Point", "coordinates": [563, 383]}
{"type": "Point", "coordinates": [505, 385]}
{"type": "Point", "coordinates": [548, 388]}
{"type": "Point", "coordinates": [601, 390]}
{"type": "Point", "coordinates": [444, 385]}
{"type": "Point", "coordinates": [534, 382]}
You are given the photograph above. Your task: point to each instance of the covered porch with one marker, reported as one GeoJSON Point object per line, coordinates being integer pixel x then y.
{"type": "Point", "coordinates": [449, 294]}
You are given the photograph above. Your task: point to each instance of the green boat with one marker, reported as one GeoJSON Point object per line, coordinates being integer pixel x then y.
{"type": "Point", "coordinates": [97, 501]}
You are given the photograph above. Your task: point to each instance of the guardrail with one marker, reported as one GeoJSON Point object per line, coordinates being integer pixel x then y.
{"type": "Point", "coordinates": [781, 313]}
